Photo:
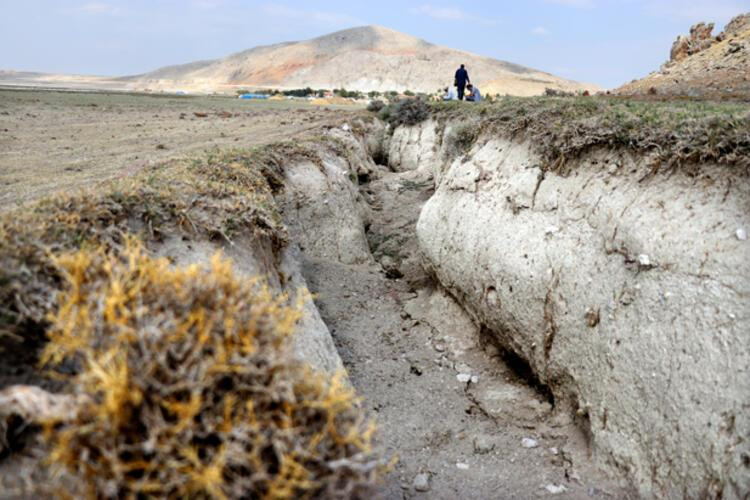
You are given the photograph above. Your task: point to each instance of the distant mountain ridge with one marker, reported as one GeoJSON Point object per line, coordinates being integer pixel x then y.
{"type": "Point", "coordinates": [365, 58]}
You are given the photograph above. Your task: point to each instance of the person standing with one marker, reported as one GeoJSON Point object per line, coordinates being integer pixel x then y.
{"type": "Point", "coordinates": [462, 78]}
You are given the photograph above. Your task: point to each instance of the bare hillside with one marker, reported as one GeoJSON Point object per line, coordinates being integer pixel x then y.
{"type": "Point", "coordinates": [702, 65]}
{"type": "Point", "coordinates": [365, 58]}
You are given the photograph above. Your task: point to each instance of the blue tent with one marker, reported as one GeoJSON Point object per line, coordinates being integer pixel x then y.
{"type": "Point", "coordinates": [253, 96]}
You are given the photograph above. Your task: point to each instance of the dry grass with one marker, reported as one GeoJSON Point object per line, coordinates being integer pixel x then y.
{"type": "Point", "coordinates": [213, 198]}
{"type": "Point", "coordinates": [674, 133]}
{"type": "Point", "coordinates": [405, 112]}
{"type": "Point", "coordinates": [192, 389]}
{"type": "Point", "coordinates": [52, 141]}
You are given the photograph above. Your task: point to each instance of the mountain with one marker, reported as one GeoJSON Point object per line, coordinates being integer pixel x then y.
{"type": "Point", "coordinates": [365, 58]}
{"type": "Point", "coordinates": [703, 66]}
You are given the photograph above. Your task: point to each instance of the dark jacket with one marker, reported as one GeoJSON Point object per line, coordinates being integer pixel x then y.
{"type": "Point", "coordinates": [462, 77]}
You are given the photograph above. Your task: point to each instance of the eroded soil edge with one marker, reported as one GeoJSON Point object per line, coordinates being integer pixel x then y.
{"type": "Point", "coordinates": [455, 409]}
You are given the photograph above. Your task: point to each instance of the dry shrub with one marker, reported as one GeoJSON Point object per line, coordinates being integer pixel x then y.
{"type": "Point", "coordinates": [405, 112]}
{"type": "Point", "coordinates": [461, 138]}
{"type": "Point", "coordinates": [375, 106]}
{"type": "Point", "coordinates": [192, 389]}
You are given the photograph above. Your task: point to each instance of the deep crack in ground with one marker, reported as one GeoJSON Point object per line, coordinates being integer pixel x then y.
{"type": "Point", "coordinates": [408, 349]}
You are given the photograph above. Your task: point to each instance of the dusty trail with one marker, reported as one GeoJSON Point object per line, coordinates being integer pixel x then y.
{"type": "Point", "coordinates": [409, 348]}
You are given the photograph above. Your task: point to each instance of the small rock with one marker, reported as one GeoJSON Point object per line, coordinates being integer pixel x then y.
{"type": "Point", "coordinates": [529, 443]}
{"type": "Point", "coordinates": [345, 127]}
{"type": "Point", "coordinates": [463, 377]}
{"type": "Point", "coordinates": [422, 482]}
{"type": "Point", "coordinates": [387, 262]}
{"type": "Point", "coordinates": [741, 234]}
{"type": "Point", "coordinates": [554, 451]}
{"type": "Point", "coordinates": [592, 317]}
{"type": "Point", "coordinates": [551, 230]}
{"type": "Point", "coordinates": [462, 466]}
{"type": "Point", "coordinates": [644, 260]}
{"type": "Point", "coordinates": [475, 379]}
{"type": "Point", "coordinates": [439, 346]}
{"type": "Point", "coordinates": [556, 489]}
{"type": "Point", "coordinates": [627, 298]}
{"type": "Point", "coordinates": [462, 368]}
{"type": "Point", "coordinates": [483, 445]}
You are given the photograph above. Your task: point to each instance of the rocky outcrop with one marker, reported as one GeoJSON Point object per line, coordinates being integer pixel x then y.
{"type": "Point", "coordinates": [703, 66]}
{"type": "Point", "coordinates": [700, 39]}
{"type": "Point", "coordinates": [626, 292]}
{"type": "Point", "coordinates": [736, 26]}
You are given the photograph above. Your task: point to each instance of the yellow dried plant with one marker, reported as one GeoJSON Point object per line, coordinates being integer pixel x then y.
{"type": "Point", "coordinates": [193, 391]}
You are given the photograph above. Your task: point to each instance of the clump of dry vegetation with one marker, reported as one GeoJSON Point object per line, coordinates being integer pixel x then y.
{"type": "Point", "coordinates": [461, 137]}
{"type": "Point", "coordinates": [191, 390]}
{"type": "Point", "coordinates": [675, 133]}
{"type": "Point", "coordinates": [405, 112]}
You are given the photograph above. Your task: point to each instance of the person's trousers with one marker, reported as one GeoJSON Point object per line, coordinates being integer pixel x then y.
{"type": "Point", "coordinates": [461, 92]}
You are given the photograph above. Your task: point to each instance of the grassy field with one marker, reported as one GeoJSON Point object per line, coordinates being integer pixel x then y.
{"type": "Point", "coordinates": [56, 140]}
{"type": "Point", "coordinates": [53, 140]}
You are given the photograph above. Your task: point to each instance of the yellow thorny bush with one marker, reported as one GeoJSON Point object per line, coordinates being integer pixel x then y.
{"type": "Point", "coordinates": [192, 391]}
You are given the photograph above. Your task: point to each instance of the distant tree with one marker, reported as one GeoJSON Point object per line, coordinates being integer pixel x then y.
{"type": "Point", "coordinates": [392, 93]}
{"type": "Point", "coordinates": [299, 92]}
{"type": "Point", "coordinates": [373, 94]}
{"type": "Point", "coordinates": [321, 93]}
{"type": "Point", "coordinates": [353, 94]}
{"type": "Point", "coordinates": [408, 93]}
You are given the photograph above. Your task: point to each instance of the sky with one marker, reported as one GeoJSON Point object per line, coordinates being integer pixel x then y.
{"type": "Point", "coordinates": [606, 42]}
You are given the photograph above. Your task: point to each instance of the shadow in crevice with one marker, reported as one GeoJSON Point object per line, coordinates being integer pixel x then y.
{"type": "Point", "coordinates": [518, 366]}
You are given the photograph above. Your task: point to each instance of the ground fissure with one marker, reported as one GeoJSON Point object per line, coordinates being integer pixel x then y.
{"type": "Point", "coordinates": [448, 403]}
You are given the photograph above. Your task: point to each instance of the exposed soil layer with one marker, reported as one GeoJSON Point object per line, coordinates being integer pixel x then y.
{"type": "Point", "coordinates": [408, 348]}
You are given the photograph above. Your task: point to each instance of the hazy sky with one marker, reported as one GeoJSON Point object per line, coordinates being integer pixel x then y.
{"type": "Point", "coordinates": [607, 42]}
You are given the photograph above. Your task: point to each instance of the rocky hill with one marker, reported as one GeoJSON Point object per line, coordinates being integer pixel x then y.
{"type": "Point", "coordinates": [365, 58]}
{"type": "Point", "coordinates": [702, 65]}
